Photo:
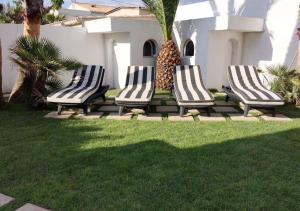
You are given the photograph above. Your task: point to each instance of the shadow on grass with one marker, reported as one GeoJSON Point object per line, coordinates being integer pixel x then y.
{"type": "Point", "coordinates": [75, 167]}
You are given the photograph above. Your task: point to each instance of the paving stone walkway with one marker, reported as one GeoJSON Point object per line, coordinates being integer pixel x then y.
{"type": "Point", "coordinates": [31, 207]}
{"type": "Point", "coordinates": [163, 108]}
{"type": "Point", "coordinates": [5, 200]}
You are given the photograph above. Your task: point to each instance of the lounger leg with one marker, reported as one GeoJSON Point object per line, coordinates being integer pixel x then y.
{"type": "Point", "coordinates": [208, 111]}
{"type": "Point", "coordinates": [148, 109]}
{"type": "Point", "coordinates": [59, 109]}
{"type": "Point", "coordinates": [181, 112]}
{"type": "Point", "coordinates": [104, 98]}
{"type": "Point", "coordinates": [246, 110]}
{"type": "Point", "coordinates": [227, 98]}
{"type": "Point", "coordinates": [121, 108]}
{"type": "Point", "coordinates": [85, 109]}
{"type": "Point", "coordinates": [273, 112]}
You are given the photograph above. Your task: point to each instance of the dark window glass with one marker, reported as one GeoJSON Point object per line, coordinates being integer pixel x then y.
{"type": "Point", "coordinates": [189, 48]}
{"type": "Point", "coordinates": [149, 48]}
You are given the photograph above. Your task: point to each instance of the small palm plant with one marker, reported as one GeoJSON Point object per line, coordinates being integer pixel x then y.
{"type": "Point", "coordinates": [286, 82]}
{"type": "Point", "coordinates": [40, 62]}
{"type": "Point", "coordinates": [169, 57]}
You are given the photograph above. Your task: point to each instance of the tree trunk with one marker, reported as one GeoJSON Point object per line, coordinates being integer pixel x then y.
{"type": "Point", "coordinates": [32, 25]}
{"type": "Point", "coordinates": [1, 92]}
{"type": "Point", "coordinates": [167, 60]}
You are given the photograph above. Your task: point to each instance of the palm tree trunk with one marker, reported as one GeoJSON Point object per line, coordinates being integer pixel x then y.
{"type": "Point", "coordinates": [1, 92]}
{"type": "Point", "coordinates": [167, 60]}
{"type": "Point", "coordinates": [32, 25]}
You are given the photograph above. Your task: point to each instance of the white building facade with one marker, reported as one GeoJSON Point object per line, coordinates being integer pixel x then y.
{"type": "Point", "coordinates": [249, 32]}
{"type": "Point", "coordinates": [210, 33]}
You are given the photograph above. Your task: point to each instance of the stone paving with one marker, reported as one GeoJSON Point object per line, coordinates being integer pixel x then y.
{"type": "Point", "coordinates": [109, 108]}
{"type": "Point", "coordinates": [214, 117]}
{"type": "Point", "coordinates": [4, 199]}
{"type": "Point", "coordinates": [174, 117]}
{"type": "Point", "coordinates": [92, 115]}
{"type": "Point", "coordinates": [171, 103]}
{"type": "Point", "coordinates": [277, 118]}
{"type": "Point", "coordinates": [116, 116]}
{"type": "Point", "coordinates": [166, 109]}
{"type": "Point", "coordinates": [64, 115]}
{"type": "Point", "coordinates": [150, 117]}
{"type": "Point", "coordinates": [164, 105]}
{"type": "Point", "coordinates": [155, 102]}
{"type": "Point", "coordinates": [241, 117]}
{"type": "Point", "coordinates": [225, 109]}
{"type": "Point", "coordinates": [31, 207]}
{"type": "Point", "coordinates": [223, 103]}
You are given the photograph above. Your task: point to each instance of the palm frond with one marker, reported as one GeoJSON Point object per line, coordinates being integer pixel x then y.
{"type": "Point", "coordinates": [165, 12]}
{"type": "Point", "coordinates": [70, 64]}
{"type": "Point", "coordinates": [40, 61]}
{"type": "Point", "coordinates": [53, 83]}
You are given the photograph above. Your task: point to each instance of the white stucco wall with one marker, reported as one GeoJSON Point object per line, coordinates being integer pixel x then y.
{"type": "Point", "coordinates": [74, 43]}
{"type": "Point", "coordinates": [276, 45]}
{"type": "Point", "coordinates": [117, 52]}
{"type": "Point", "coordinates": [212, 49]}
{"type": "Point", "coordinates": [221, 55]}
{"type": "Point", "coordinates": [8, 35]}
{"type": "Point", "coordinates": [118, 42]}
{"type": "Point", "coordinates": [124, 41]}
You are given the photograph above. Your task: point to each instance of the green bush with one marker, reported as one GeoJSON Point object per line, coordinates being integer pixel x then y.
{"type": "Point", "coordinates": [40, 61]}
{"type": "Point", "coordinates": [286, 83]}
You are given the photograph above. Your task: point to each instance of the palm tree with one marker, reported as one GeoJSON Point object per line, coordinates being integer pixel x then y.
{"type": "Point", "coordinates": [39, 60]}
{"type": "Point", "coordinates": [33, 13]}
{"type": "Point", "coordinates": [1, 92]}
{"type": "Point", "coordinates": [169, 56]}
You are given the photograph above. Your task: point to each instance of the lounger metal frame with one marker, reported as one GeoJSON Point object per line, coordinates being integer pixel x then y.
{"type": "Point", "coordinates": [100, 93]}
{"type": "Point", "coordinates": [182, 108]}
{"type": "Point", "coordinates": [124, 105]}
{"type": "Point", "coordinates": [231, 95]}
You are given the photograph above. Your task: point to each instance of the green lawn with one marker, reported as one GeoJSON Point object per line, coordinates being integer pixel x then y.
{"type": "Point", "coordinates": [114, 165]}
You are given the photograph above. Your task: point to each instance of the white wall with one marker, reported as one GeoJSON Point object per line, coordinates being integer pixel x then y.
{"type": "Point", "coordinates": [74, 43]}
{"type": "Point", "coordinates": [141, 32]}
{"type": "Point", "coordinates": [212, 49]}
{"type": "Point", "coordinates": [278, 43]}
{"type": "Point", "coordinates": [197, 31]}
{"type": "Point", "coordinates": [220, 56]}
{"type": "Point", "coordinates": [117, 54]}
{"type": "Point", "coordinates": [8, 35]}
{"type": "Point", "coordinates": [124, 41]}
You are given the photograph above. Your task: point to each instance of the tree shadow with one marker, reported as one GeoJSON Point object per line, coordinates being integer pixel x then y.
{"type": "Point", "coordinates": [96, 171]}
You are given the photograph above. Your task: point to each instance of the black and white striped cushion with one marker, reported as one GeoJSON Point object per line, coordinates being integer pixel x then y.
{"type": "Point", "coordinates": [86, 81]}
{"type": "Point", "coordinates": [139, 86]}
{"type": "Point", "coordinates": [245, 83]}
{"type": "Point", "coordinates": [189, 88]}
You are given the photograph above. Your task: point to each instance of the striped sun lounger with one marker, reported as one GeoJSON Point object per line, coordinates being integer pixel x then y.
{"type": "Point", "coordinates": [248, 88]}
{"type": "Point", "coordinates": [139, 88]}
{"type": "Point", "coordinates": [86, 85]}
{"type": "Point", "coordinates": [189, 89]}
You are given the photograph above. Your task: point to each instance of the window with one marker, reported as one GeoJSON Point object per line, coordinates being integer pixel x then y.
{"type": "Point", "coordinates": [189, 48]}
{"type": "Point", "coordinates": [149, 48]}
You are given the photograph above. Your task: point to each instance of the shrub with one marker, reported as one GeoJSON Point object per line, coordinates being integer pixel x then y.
{"type": "Point", "coordinates": [39, 61]}
{"type": "Point", "coordinates": [286, 83]}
